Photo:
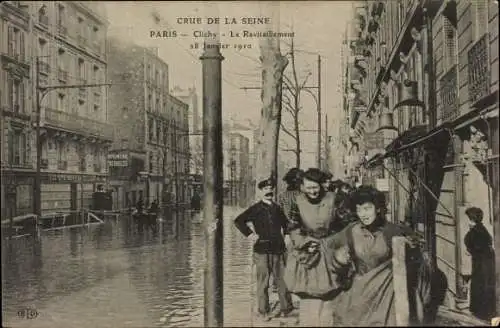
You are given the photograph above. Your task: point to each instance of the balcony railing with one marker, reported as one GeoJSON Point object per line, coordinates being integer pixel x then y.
{"type": "Point", "coordinates": [62, 165]}
{"type": "Point", "coordinates": [78, 124]}
{"type": "Point", "coordinates": [479, 74]}
{"type": "Point", "coordinates": [448, 93]}
{"type": "Point", "coordinates": [62, 30]}
{"type": "Point", "coordinates": [62, 75]}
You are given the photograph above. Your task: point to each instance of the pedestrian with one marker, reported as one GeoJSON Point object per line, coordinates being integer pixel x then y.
{"type": "Point", "coordinates": [327, 181]}
{"type": "Point", "coordinates": [268, 222]}
{"type": "Point", "coordinates": [293, 179]}
{"type": "Point", "coordinates": [482, 287]}
{"type": "Point", "coordinates": [309, 272]}
{"type": "Point", "coordinates": [366, 249]}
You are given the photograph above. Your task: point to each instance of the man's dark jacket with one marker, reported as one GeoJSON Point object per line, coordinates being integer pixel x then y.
{"type": "Point", "coordinates": [268, 220]}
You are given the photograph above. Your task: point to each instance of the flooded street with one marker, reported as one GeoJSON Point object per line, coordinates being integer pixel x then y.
{"type": "Point", "coordinates": [112, 276]}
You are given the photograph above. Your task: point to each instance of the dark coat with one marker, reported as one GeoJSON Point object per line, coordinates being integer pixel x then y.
{"type": "Point", "coordinates": [268, 222]}
{"type": "Point", "coordinates": [482, 290]}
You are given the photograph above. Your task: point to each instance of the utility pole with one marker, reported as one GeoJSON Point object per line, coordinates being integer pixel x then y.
{"type": "Point", "coordinates": [327, 145]}
{"type": "Point", "coordinates": [41, 92]}
{"type": "Point", "coordinates": [318, 104]}
{"type": "Point", "coordinates": [213, 196]}
{"type": "Point", "coordinates": [176, 174]}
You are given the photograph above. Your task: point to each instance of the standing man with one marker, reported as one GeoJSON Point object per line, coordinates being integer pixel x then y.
{"type": "Point", "coordinates": [269, 246]}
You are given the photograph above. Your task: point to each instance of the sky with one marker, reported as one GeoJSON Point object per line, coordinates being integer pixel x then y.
{"type": "Point", "coordinates": [318, 28]}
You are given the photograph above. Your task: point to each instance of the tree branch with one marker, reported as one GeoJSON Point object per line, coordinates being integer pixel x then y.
{"type": "Point", "coordinates": [291, 134]}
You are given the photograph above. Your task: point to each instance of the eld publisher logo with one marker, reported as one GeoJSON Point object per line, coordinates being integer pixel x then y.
{"type": "Point", "coordinates": [495, 322]}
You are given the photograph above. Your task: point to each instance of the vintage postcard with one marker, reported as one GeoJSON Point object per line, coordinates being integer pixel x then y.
{"type": "Point", "coordinates": [249, 163]}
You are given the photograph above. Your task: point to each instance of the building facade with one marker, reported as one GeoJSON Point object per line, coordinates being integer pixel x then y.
{"type": "Point", "coordinates": [423, 111]}
{"type": "Point", "coordinates": [178, 155]}
{"type": "Point", "coordinates": [237, 171]}
{"type": "Point", "coordinates": [148, 123]}
{"type": "Point", "coordinates": [195, 124]}
{"type": "Point", "coordinates": [17, 151]}
{"type": "Point", "coordinates": [62, 44]}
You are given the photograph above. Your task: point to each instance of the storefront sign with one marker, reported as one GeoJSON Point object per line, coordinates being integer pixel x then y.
{"type": "Point", "coordinates": [118, 160]}
{"type": "Point", "coordinates": [75, 178]}
{"type": "Point", "coordinates": [382, 184]}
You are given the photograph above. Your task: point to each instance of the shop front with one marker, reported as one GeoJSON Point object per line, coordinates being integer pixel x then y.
{"type": "Point", "coordinates": [68, 192]}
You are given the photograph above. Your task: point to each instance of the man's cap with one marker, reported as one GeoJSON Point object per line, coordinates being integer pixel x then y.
{"type": "Point", "coordinates": [266, 183]}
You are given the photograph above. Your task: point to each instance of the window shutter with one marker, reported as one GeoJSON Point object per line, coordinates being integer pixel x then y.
{"type": "Point", "coordinates": [10, 142]}
{"type": "Point", "coordinates": [10, 40]}
{"type": "Point", "coordinates": [21, 97]}
{"type": "Point", "coordinates": [21, 46]}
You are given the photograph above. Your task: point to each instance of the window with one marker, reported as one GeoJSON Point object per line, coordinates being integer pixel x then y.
{"type": "Point", "coordinates": [450, 44]}
{"type": "Point", "coordinates": [95, 75]}
{"type": "Point", "coordinates": [151, 128]}
{"type": "Point", "coordinates": [151, 159]}
{"type": "Point", "coordinates": [61, 60]}
{"type": "Point", "coordinates": [158, 131]}
{"type": "Point", "coordinates": [18, 147]}
{"type": "Point", "coordinates": [15, 41]}
{"type": "Point", "coordinates": [157, 104]}
{"type": "Point", "coordinates": [165, 134]}
{"type": "Point", "coordinates": [158, 163]}
{"type": "Point", "coordinates": [479, 13]}
{"type": "Point", "coordinates": [60, 151]}
{"type": "Point", "coordinates": [150, 102]}
{"type": "Point", "coordinates": [81, 69]}
{"type": "Point", "coordinates": [61, 102]}
{"type": "Point", "coordinates": [16, 95]}
{"type": "Point", "coordinates": [42, 15]}
{"type": "Point", "coordinates": [60, 15]}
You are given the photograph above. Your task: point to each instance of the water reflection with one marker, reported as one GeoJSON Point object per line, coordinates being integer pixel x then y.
{"type": "Point", "coordinates": [161, 271]}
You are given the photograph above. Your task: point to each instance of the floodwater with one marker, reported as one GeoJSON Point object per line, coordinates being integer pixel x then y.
{"type": "Point", "coordinates": [111, 275]}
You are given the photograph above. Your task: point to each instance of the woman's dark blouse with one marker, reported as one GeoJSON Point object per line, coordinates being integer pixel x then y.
{"type": "Point", "coordinates": [371, 246]}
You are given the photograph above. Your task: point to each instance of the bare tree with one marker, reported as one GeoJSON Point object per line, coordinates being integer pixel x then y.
{"type": "Point", "coordinates": [291, 104]}
{"type": "Point", "coordinates": [273, 66]}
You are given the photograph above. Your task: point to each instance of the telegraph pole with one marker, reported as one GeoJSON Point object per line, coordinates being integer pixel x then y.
{"type": "Point", "coordinates": [213, 196]}
{"type": "Point", "coordinates": [318, 104]}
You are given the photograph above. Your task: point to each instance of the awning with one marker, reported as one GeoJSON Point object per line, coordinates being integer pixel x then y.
{"type": "Point", "coordinates": [411, 138]}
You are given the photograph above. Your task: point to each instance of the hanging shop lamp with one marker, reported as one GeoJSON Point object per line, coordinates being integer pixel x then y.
{"type": "Point", "coordinates": [408, 94]}
{"type": "Point", "coordinates": [386, 120]}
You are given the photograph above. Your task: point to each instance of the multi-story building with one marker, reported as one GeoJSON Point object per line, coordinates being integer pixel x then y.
{"type": "Point", "coordinates": [61, 46]}
{"type": "Point", "coordinates": [190, 97]}
{"type": "Point", "coordinates": [423, 84]}
{"type": "Point", "coordinates": [16, 108]}
{"type": "Point", "coordinates": [178, 156]}
{"type": "Point", "coordinates": [150, 125]}
{"type": "Point", "coordinates": [236, 168]}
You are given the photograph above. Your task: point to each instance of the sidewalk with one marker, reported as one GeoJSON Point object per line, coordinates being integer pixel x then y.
{"type": "Point", "coordinates": [446, 317]}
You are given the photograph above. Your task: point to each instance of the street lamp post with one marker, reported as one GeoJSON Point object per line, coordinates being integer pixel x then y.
{"type": "Point", "coordinates": [41, 92]}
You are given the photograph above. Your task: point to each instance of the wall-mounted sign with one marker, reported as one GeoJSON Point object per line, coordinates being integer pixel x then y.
{"type": "Point", "coordinates": [118, 160]}
{"type": "Point", "coordinates": [382, 184]}
{"type": "Point", "coordinates": [75, 178]}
